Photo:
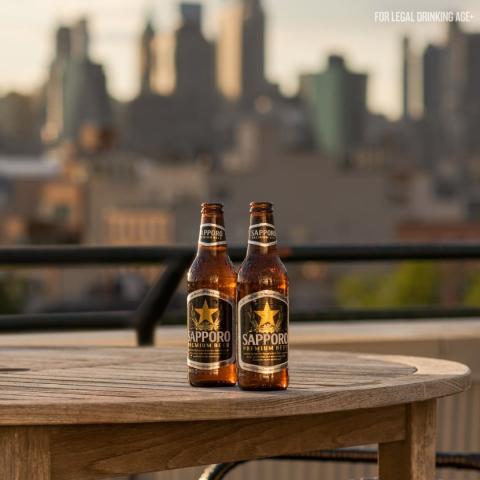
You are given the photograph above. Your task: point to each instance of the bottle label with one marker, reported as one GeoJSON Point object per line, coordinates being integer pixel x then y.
{"type": "Point", "coordinates": [263, 234]}
{"type": "Point", "coordinates": [263, 332]}
{"type": "Point", "coordinates": [211, 235]}
{"type": "Point", "coordinates": [210, 329]}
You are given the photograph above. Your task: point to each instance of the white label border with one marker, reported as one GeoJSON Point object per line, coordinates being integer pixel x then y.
{"type": "Point", "coordinates": [250, 298]}
{"type": "Point", "coordinates": [216, 294]}
{"type": "Point", "coordinates": [211, 244]}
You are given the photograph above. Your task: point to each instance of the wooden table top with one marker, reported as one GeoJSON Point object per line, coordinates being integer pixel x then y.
{"type": "Point", "coordinates": [48, 386]}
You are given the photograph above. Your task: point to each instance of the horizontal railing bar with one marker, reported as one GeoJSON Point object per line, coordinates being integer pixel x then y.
{"type": "Point", "coordinates": [384, 252]}
{"type": "Point", "coordinates": [433, 313]}
{"type": "Point", "coordinates": [113, 320]}
{"type": "Point", "coordinates": [75, 255]}
{"type": "Point", "coordinates": [36, 322]}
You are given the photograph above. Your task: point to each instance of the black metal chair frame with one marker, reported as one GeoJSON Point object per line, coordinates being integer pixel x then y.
{"type": "Point", "coordinates": [459, 461]}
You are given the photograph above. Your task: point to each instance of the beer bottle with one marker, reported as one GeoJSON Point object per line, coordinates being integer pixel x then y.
{"type": "Point", "coordinates": [262, 309]}
{"type": "Point", "coordinates": [212, 283]}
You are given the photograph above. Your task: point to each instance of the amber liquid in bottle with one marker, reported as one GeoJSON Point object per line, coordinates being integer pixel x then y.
{"type": "Point", "coordinates": [262, 307]}
{"type": "Point", "coordinates": [211, 283]}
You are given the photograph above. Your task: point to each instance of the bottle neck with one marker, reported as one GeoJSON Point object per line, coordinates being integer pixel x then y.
{"type": "Point", "coordinates": [262, 236]}
{"type": "Point", "coordinates": [212, 238]}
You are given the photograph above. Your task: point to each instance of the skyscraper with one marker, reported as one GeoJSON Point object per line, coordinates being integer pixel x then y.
{"type": "Point", "coordinates": [406, 78]}
{"type": "Point", "coordinates": [55, 88]}
{"type": "Point", "coordinates": [241, 52]}
{"type": "Point", "coordinates": [77, 102]}
{"type": "Point", "coordinates": [19, 124]}
{"type": "Point", "coordinates": [336, 102]}
{"type": "Point", "coordinates": [432, 77]}
{"type": "Point", "coordinates": [454, 78]}
{"type": "Point", "coordinates": [253, 51]}
{"type": "Point", "coordinates": [147, 58]}
{"type": "Point", "coordinates": [194, 56]}
{"type": "Point", "coordinates": [177, 120]}
{"type": "Point", "coordinates": [63, 43]}
{"type": "Point", "coordinates": [432, 91]}
{"type": "Point", "coordinates": [451, 75]}
{"type": "Point", "coordinates": [80, 40]}
{"type": "Point", "coordinates": [472, 91]}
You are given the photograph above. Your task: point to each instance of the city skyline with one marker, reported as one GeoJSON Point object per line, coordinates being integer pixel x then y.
{"type": "Point", "coordinates": [116, 26]}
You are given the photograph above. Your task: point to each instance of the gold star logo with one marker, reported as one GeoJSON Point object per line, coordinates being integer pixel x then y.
{"type": "Point", "coordinates": [267, 323]}
{"type": "Point", "coordinates": [206, 321]}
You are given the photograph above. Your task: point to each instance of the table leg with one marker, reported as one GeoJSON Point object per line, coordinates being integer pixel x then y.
{"type": "Point", "coordinates": [414, 457]}
{"type": "Point", "coordinates": [24, 453]}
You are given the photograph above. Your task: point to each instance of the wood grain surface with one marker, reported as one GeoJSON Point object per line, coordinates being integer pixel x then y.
{"type": "Point", "coordinates": [53, 386]}
{"type": "Point", "coordinates": [104, 451]}
{"type": "Point", "coordinates": [25, 453]}
{"type": "Point", "coordinates": [412, 458]}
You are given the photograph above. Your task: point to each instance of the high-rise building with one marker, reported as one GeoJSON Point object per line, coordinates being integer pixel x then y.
{"type": "Point", "coordinates": [147, 58]}
{"type": "Point", "coordinates": [194, 56]}
{"type": "Point", "coordinates": [454, 79]}
{"type": "Point", "coordinates": [182, 104]}
{"type": "Point", "coordinates": [451, 98]}
{"type": "Point", "coordinates": [432, 77]}
{"type": "Point", "coordinates": [19, 124]}
{"type": "Point", "coordinates": [80, 40]}
{"type": "Point", "coordinates": [411, 83]}
{"type": "Point", "coordinates": [406, 77]}
{"type": "Point", "coordinates": [229, 52]}
{"type": "Point", "coordinates": [253, 52]}
{"type": "Point", "coordinates": [63, 44]}
{"type": "Point", "coordinates": [472, 91]}
{"type": "Point", "coordinates": [432, 92]}
{"type": "Point", "coordinates": [241, 52]}
{"type": "Point", "coordinates": [77, 102]}
{"type": "Point", "coordinates": [55, 87]}
{"type": "Point", "coordinates": [88, 119]}
{"type": "Point", "coordinates": [336, 102]}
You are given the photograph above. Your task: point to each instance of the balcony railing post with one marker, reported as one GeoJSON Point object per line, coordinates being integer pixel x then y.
{"type": "Point", "coordinates": [157, 299]}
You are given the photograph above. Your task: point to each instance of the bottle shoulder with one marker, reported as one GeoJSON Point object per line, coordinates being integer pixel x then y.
{"type": "Point", "coordinates": [257, 267]}
{"type": "Point", "coordinates": [204, 267]}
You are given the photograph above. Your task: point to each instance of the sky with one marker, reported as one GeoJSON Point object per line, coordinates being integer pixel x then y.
{"type": "Point", "coordinates": [300, 36]}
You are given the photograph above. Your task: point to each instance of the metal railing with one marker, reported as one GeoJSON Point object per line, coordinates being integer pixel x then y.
{"type": "Point", "coordinates": [176, 259]}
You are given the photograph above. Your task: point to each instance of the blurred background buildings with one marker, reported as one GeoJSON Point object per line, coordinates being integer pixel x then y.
{"type": "Point", "coordinates": [79, 166]}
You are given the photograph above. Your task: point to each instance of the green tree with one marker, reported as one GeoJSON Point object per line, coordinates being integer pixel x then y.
{"type": "Point", "coordinates": [410, 284]}
{"type": "Point", "coordinates": [12, 293]}
{"type": "Point", "coordinates": [471, 296]}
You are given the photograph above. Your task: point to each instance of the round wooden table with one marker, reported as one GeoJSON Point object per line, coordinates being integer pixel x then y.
{"type": "Point", "coordinates": [87, 413]}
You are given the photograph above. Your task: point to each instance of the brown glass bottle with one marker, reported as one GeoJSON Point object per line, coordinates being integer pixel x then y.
{"type": "Point", "coordinates": [212, 283]}
{"type": "Point", "coordinates": [262, 307]}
